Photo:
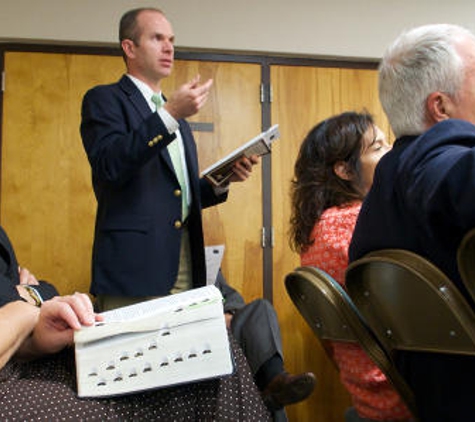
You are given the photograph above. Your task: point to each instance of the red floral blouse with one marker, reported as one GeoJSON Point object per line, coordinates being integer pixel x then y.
{"type": "Point", "coordinates": [372, 394]}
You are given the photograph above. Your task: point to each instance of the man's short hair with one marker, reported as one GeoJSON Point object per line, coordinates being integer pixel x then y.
{"type": "Point", "coordinates": [128, 28]}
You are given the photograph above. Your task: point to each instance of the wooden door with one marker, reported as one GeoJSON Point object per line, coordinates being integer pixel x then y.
{"type": "Point", "coordinates": [302, 97]}
{"type": "Point", "coordinates": [47, 203]}
{"type": "Point", "coordinates": [233, 111]}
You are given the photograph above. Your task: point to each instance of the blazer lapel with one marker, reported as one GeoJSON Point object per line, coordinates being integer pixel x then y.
{"type": "Point", "coordinates": [140, 104]}
{"type": "Point", "coordinates": [135, 96]}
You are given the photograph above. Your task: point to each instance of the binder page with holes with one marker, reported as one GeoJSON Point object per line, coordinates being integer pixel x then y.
{"type": "Point", "coordinates": [172, 340]}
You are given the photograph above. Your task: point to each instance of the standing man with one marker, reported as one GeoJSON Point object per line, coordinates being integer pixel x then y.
{"type": "Point", "coordinates": [148, 236]}
{"type": "Point", "coordinates": [422, 198]}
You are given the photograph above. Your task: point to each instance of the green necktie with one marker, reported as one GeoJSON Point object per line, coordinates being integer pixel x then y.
{"type": "Point", "coordinates": [174, 151]}
{"type": "Point", "coordinates": [158, 100]}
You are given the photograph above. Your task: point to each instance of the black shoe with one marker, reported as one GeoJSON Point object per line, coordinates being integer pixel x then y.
{"type": "Point", "coordinates": [285, 389]}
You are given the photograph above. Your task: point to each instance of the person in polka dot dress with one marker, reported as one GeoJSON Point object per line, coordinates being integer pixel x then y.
{"type": "Point", "coordinates": [333, 172]}
{"type": "Point", "coordinates": [37, 369]}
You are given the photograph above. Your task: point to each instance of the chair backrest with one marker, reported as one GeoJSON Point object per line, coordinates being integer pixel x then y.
{"type": "Point", "coordinates": [410, 304]}
{"type": "Point", "coordinates": [466, 261]}
{"type": "Point", "coordinates": [332, 316]}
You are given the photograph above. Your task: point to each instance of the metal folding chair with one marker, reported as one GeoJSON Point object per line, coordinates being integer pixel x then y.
{"type": "Point", "coordinates": [410, 304]}
{"type": "Point", "coordinates": [332, 316]}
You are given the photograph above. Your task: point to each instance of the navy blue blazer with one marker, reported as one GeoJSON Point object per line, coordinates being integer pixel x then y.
{"type": "Point", "coordinates": [137, 233]}
{"type": "Point", "coordinates": [422, 199]}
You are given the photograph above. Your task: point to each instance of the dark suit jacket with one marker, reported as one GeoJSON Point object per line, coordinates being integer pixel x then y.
{"type": "Point", "coordinates": [422, 199]}
{"type": "Point", "coordinates": [9, 276]}
{"type": "Point", "coordinates": [8, 271]}
{"type": "Point", "coordinates": [137, 239]}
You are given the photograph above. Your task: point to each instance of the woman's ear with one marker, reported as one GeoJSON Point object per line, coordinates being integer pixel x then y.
{"type": "Point", "coordinates": [341, 170]}
{"type": "Point", "coordinates": [438, 107]}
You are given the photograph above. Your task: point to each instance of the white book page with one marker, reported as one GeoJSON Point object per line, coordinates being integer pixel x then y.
{"type": "Point", "coordinates": [221, 171]}
{"type": "Point", "coordinates": [172, 310]}
{"type": "Point", "coordinates": [159, 306]}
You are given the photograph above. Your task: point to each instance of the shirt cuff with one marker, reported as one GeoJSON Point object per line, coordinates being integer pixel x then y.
{"type": "Point", "coordinates": [220, 190]}
{"type": "Point", "coordinates": [167, 119]}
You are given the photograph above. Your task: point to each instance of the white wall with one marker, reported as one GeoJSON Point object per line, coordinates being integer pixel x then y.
{"type": "Point", "coordinates": [319, 28]}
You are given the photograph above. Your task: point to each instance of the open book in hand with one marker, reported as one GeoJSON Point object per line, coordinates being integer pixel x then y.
{"type": "Point", "coordinates": [222, 170]}
{"type": "Point", "coordinates": [172, 340]}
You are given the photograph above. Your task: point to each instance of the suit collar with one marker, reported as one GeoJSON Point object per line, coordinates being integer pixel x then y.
{"type": "Point", "coordinates": [135, 96]}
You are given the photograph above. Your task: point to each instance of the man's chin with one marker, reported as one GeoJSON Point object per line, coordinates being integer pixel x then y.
{"type": "Point", "coordinates": [166, 71]}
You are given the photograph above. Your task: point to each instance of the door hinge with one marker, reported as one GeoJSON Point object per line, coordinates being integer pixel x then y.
{"type": "Point", "coordinates": [264, 240]}
{"type": "Point", "coordinates": [266, 93]}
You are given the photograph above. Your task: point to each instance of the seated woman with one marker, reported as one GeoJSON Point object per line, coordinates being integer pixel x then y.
{"type": "Point", "coordinates": [37, 375]}
{"type": "Point", "coordinates": [333, 172]}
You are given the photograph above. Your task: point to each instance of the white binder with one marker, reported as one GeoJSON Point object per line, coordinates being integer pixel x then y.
{"type": "Point", "coordinates": [172, 340]}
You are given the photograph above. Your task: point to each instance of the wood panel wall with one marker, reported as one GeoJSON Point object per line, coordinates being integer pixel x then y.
{"type": "Point", "coordinates": [233, 110]}
{"type": "Point", "coordinates": [47, 204]}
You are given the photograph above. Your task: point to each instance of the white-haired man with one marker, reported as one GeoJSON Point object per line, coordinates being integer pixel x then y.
{"type": "Point", "coordinates": [422, 198]}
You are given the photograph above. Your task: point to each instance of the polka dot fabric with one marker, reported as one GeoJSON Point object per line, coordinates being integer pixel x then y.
{"type": "Point", "coordinates": [371, 393]}
{"type": "Point", "coordinates": [45, 390]}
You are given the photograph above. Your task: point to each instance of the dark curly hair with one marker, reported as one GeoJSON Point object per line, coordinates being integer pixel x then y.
{"type": "Point", "coordinates": [315, 186]}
